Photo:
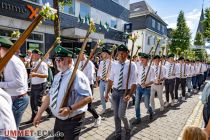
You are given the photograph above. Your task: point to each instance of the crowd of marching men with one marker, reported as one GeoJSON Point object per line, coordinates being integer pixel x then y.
{"type": "Point", "coordinates": [117, 77]}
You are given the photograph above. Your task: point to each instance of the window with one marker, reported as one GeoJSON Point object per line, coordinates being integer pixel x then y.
{"type": "Point", "coordinates": [158, 26]}
{"type": "Point", "coordinates": [153, 23]}
{"type": "Point", "coordinates": [84, 10]}
{"type": "Point", "coordinates": [163, 29]}
{"type": "Point", "coordinates": [113, 23]}
{"type": "Point", "coordinates": [69, 9]}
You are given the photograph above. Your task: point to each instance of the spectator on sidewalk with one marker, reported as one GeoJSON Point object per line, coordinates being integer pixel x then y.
{"type": "Point", "coordinates": [194, 133]}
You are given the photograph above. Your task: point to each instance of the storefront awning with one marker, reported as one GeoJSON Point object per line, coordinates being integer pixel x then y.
{"type": "Point", "coordinates": [80, 33]}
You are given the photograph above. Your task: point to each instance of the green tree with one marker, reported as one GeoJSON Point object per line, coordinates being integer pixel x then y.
{"type": "Point", "coordinates": [206, 23]}
{"type": "Point", "coordinates": [199, 41]}
{"type": "Point", "coordinates": [181, 35]}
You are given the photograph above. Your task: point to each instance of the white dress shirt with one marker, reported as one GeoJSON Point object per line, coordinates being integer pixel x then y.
{"type": "Point", "coordinates": [115, 73]}
{"type": "Point", "coordinates": [100, 68]}
{"type": "Point", "coordinates": [6, 115]}
{"type": "Point", "coordinates": [184, 70]}
{"type": "Point", "coordinates": [15, 77]}
{"type": "Point", "coordinates": [80, 89]}
{"type": "Point", "coordinates": [150, 76]}
{"type": "Point", "coordinates": [89, 70]}
{"type": "Point", "coordinates": [43, 69]}
{"type": "Point", "coordinates": [162, 74]}
{"type": "Point", "coordinates": [172, 71]}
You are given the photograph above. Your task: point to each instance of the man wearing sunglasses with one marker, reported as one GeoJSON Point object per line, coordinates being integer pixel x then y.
{"type": "Point", "coordinates": [69, 119]}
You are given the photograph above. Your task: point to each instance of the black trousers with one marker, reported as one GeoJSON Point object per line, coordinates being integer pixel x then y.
{"type": "Point", "coordinates": [179, 81]}
{"type": "Point", "coordinates": [169, 86]}
{"type": "Point", "coordinates": [37, 92]}
{"type": "Point", "coordinates": [68, 129]}
{"type": "Point", "coordinates": [91, 108]}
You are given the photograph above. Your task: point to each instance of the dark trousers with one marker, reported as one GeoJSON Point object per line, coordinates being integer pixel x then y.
{"type": "Point", "coordinates": [194, 82]}
{"type": "Point", "coordinates": [199, 80]}
{"type": "Point", "coordinates": [179, 81]}
{"type": "Point", "coordinates": [68, 129]}
{"type": "Point", "coordinates": [205, 76]}
{"type": "Point", "coordinates": [169, 86]}
{"type": "Point", "coordinates": [37, 92]}
{"type": "Point", "coordinates": [91, 109]}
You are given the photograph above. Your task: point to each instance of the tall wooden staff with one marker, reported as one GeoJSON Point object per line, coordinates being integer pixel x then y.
{"type": "Point", "coordinates": [133, 39]}
{"type": "Point", "coordinates": [110, 61]}
{"type": "Point", "coordinates": [158, 42]}
{"type": "Point", "coordinates": [68, 91]}
{"type": "Point", "coordinates": [138, 48]}
{"type": "Point", "coordinates": [46, 12]}
{"type": "Point", "coordinates": [150, 50]}
{"type": "Point", "coordinates": [57, 41]}
{"type": "Point", "coordinates": [91, 55]}
{"type": "Point", "coordinates": [161, 62]}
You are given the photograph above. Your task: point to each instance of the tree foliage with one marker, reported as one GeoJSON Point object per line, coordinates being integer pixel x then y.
{"type": "Point", "coordinates": [181, 35]}
{"type": "Point", "coordinates": [199, 41]}
{"type": "Point", "coordinates": [206, 23]}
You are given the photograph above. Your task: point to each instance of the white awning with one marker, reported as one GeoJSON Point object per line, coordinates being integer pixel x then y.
{"type": "Point", "coordinates": [80, 33]}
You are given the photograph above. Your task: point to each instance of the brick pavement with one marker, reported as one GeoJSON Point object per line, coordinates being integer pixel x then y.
{"type": "Point", "coordinates": [167, 125]}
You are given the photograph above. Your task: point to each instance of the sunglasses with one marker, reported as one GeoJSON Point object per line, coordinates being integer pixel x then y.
{"type": "Point", "coordinates": [59, 59]}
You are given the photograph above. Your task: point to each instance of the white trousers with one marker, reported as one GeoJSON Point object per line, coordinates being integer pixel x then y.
{"type": "Point", "coordinates": [159, 90]}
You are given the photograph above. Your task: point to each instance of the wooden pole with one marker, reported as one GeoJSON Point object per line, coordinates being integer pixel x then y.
{"type": "Point", "coordinates": [19, 42]}
{"type": "Point", "coordinates": [57, 41]}
{"type": "Point", "coordinates": [151, 61]}
{"type": "Point", "coordinates": [91, 55]}
{"type": "Point", "coordinates": [129, 68]}
{"type": "Point", "coordinates": [68, 91]}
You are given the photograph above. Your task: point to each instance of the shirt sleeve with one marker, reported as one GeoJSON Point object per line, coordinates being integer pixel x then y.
{"type": "Point", "coordinates": [43, 69]}
{"type": "Point", "coordinates": [17, 72]}
{"type": "Point", "coordinates": [82, 85]}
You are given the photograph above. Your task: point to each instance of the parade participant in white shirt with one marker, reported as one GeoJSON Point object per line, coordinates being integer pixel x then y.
{"type": "Point", "coordinates": [170, 79]}
{"type": "Point", "coordinates": [89, 71]}
{"type": "Point", "coordinates": [143, 86]}
{"type": "Point", "coordinates": [7, 122]}
{"type": "Point", "coordinates": [118, 79]}
{"type": "Point", "coordinates": [38, 84]}
{"type": "Point", "coordinates": [103, 75]}
{"type": "Point", "coordinates": [200, 73]}
{"type": "Point", "coordinates": [157, 86]}
{"type": "Point", "coordinates": [69, 119]}
{"type": "Point", "coordinates": [194, 76]}
{"type": "Point", "coordinates": [180, 72]}
{"type": "Point", "coordinates": [15, 81]}
{"type": "Point", "coordinates": [189, 76]}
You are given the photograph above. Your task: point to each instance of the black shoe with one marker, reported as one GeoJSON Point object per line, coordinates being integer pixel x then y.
{"type": "Point", "coordinates": [28, 122]}
{"type": "Point", "coordinates": [133, 101]}
{"type": "Point", "coordinates": [128, 132]}
{"type": "Point", "coordinates": [137, 121]}
{"type": "Point", "coordinates": [118, 137]}
{"type": "Point", "coordinates": [151, 116]}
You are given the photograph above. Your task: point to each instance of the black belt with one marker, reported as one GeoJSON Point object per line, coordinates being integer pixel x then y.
{"type": "Point", "coordinates": [19, 96]}
{"type": "Point", "coordinates": [103, 80]}
{"type": "Point", "coordinates": [158, 84]}
{"type": "Point", "coordinates": [120, 90]}
{"type": "Point", "coordinates": [38, 85]}
{"type": "Point", "coordinates": [77, 117]}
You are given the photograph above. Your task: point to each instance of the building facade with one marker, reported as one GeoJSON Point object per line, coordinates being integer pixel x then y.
{"type": "Point", "coordinates": [18, 14]}
{"type": "Point", "coordinates": [149, 26]}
